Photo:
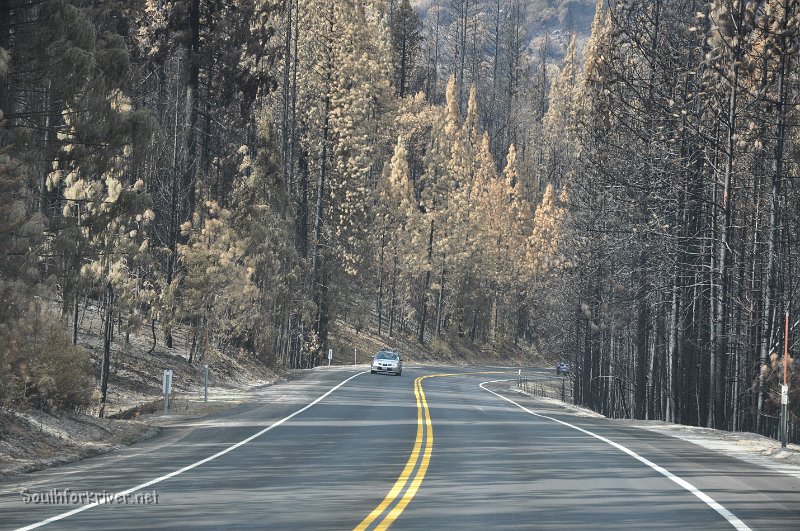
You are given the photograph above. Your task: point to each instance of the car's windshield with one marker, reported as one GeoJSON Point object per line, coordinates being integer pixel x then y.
{"type": "Point", "coordinates": [387, 356]}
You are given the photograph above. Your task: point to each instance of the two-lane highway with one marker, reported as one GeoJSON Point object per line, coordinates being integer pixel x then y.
{"type": "Point", "coordinates": [432, 449]}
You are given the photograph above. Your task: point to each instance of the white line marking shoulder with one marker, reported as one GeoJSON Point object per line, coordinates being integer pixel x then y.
{"type": "Point", "coordinates": [708, 500]}
{"type": "Point", "coordinates": [124, 493]}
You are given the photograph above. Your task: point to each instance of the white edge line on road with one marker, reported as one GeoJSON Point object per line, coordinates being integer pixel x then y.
{"type": "Point", "coordinates": [113, 497]}
{"type": "Point", "coordinates": [708, 500]}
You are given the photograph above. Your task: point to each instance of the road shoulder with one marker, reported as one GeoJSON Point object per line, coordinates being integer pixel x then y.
{"type": "Point", "coordinates": [750, 447]}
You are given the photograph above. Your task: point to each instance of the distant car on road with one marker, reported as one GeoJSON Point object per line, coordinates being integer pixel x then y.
{"type": "Point", "coordinates": [562, 368]}
{"type": "Point", "coordinates": [387, 361]}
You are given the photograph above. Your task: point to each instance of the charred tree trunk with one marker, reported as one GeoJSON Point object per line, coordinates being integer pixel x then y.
{"type": "Point", "coordinates": [292, 143]}
{"type": "Point", "coordinates": [719, 349]}
{"type": "Point", "coordinates": [380, 284]}
{"type": "Point", "coordinates": [75, 314]}
{"type": "Point", "coordinates": [769, 332]}
{"type": "Point", "coordinates": [440, 300]}
{"type": "Point", "coordinates": [425, 284]}
{"type": "Point", "coordinates": [393, 293]}
{"type": "Point", "coordinates": [642, 344]}
{"type": "Point", "coordinates": [301, 212]}
{"type": "Point", "coordinates": [192, 101]}
{"type": "Point", "coordinates": [6, 16]}
{"type": "Point", "coordinates": [285, 129]}
{"type": "Point", "coordinates": [108, 326]}
{"type": "Point", "coordinates": [319, 285]}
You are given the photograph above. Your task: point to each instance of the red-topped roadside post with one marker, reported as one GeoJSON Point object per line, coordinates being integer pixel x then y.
{"type": "Point", "coordinates": [785, 388]}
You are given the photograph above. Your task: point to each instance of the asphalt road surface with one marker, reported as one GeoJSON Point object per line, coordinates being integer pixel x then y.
{"type": "Point", "coordinates": [433, 449]}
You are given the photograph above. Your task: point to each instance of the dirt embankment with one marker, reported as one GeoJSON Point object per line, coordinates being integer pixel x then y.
{"type": "Point", "coordinates": [31, 439]}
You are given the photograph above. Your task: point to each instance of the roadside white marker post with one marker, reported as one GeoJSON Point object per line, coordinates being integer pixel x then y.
{"type": "Point", "coordinates": [167, 387]}
{"type": "Point", "coordinates": [205, 368]}
{"type": "Point", "coordinates": [355, 356]}
{"type": "Point", "coordinates": [784, 415]}
{"type": "Point", "coordinates": [330, 356]}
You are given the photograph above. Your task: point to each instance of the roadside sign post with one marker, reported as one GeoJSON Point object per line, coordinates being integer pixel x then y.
{"type": "Point", "coordinates": [330, 356]}
{"type": "Point", "coordinates": [205, 369]}
{"type": "Point", "coordinates": [166, 383]}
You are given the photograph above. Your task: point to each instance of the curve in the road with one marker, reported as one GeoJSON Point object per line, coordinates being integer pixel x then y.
{"type": "Point", "coordinates": [708, 500]}
{"type": "Point", "coordinates": [409, 481]}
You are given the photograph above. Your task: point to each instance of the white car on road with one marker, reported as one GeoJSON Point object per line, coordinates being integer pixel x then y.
{"type": "Point", "coordinates": [387, 362]}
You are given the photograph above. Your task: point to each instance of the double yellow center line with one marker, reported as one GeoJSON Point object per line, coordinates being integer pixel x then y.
{"type": "Point", "coordinates": [424, 438]}
{"type": "Point", "coordinates": [409, 481]}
